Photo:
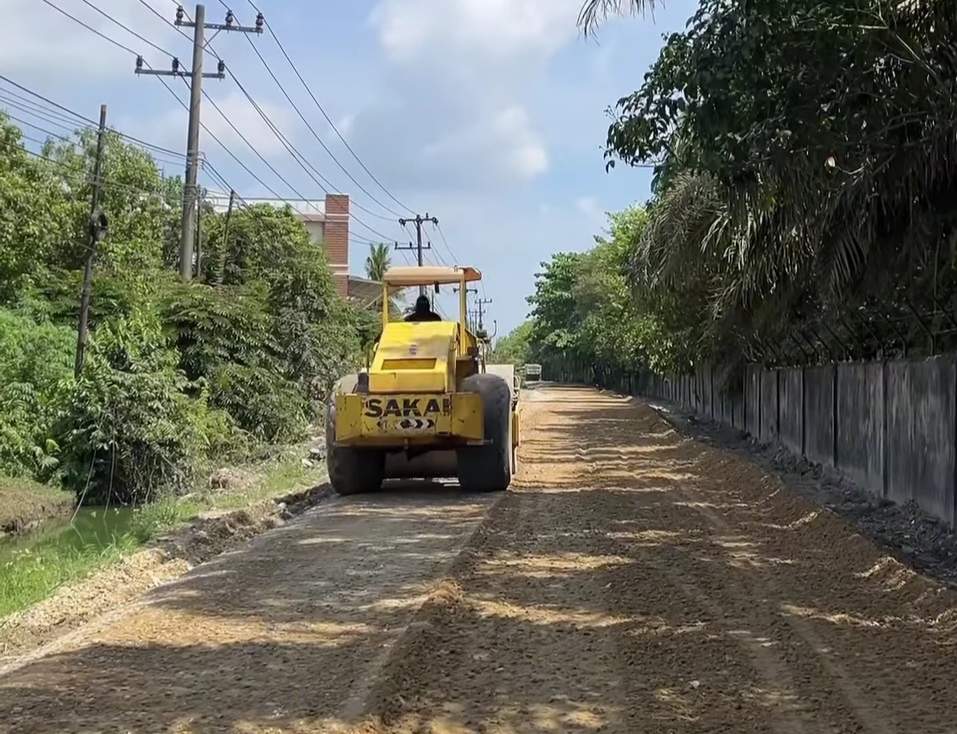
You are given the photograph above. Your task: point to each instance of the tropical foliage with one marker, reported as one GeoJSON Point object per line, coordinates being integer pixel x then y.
{"type": "Point", "coordinates": [513, 348]}
{"type": "Point", "coordinates": [378, 260]}
{"type": "Point", "coordinates": [176, 375]}
{"type": "Point", "coordinates": [805, 169]}
{"type": "Point", "coordinates": [587, 321]}
{"type": "Point", "coordinates": [805, 156]}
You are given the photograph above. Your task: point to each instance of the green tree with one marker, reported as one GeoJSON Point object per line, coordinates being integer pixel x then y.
{"type": "Point", "coordinates": [514, 347]}
{"type": "Point", "coordinates": [378, 261]}
{"type": "Point", "coordinates": [787, 195]}
{"type": "Point", "coordinates": [554, 336]}
{"type": "Point", "coordinates": [589, 320]}
{"type": "Point", "coordinates": [36, 372]}
{"type": "Point", "coordinates": [177, 375]}
{"type": "Point", "coordinates": [33, 210]}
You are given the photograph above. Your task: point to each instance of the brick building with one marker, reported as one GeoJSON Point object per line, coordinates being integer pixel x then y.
{"type": "Point", "coordinates": [331, 228]}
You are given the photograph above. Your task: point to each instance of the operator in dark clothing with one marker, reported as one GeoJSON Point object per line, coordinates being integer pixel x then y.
{"type": "Point", "coordinates": [423, 311]}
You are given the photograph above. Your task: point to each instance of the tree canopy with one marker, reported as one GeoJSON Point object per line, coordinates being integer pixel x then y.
{"type": "Point", "coordinates": [177, 375]}
{"type": "Point", "coordinates": [804, 156]}
{"type": "Point", "coordinates": [805, 165]}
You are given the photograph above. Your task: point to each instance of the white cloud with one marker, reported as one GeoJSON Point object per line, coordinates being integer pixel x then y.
{"type": "Point", "coordinates": [517, 150]}
{"type": "Point", "coordinates": [47, 42]}
{"type": "Point", "coordinates": [590, 207]}
{"type": "Point", "coordinates": [170, 129]}
{"type": "Point", "coordinates": [473, 30]}
{"type": "Point", "coordinates": [461, 73]}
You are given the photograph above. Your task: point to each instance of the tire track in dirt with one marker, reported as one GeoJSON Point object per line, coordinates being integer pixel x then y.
{"type": "Point", "coordinates": [632, 581]}
{"type": "Point", "coordinates": [284, 634]}
{"type": "Point", "coordinates": [638, 581]}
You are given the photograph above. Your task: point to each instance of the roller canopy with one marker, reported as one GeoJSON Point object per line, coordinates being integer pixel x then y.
{"type": "Point", "coordinates": [407, 276]}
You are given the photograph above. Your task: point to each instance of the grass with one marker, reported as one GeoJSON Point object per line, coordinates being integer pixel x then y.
{"type": "Point", "coordinates": [30, 574]}
{"type": "Point", "coordinates": [24, 502]}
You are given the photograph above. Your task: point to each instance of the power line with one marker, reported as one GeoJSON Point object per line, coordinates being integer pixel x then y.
{"type": "Point", "coordinates": [225, 148]}
{"type": "Point", "coordinates": [203, 126]}
{"type": "Point", "coordinates": [68, 126]}
{"type": "Point", "coordinates": [326, 116]}
{"type": "Point", "coordinates": [315, 134]}
{"type": "Point", "coordinates": [129, 30]}
{"type": "Point", "coordinates": [90, 28]}
{"type": "Point", "coordinates": [32, 108]}
{"type": "Point", "coordinates": [153, 193]}
{"type": "Point", "coordinates": [254, 149]}
{"type": "Point", "coordinates": [41, 129]}
{"type": "Point", "coordinates": [87, 121]}
{"type": "Point", "coordinates": [299, 158]}
{"type": "Point", "coordinates": [445, 242]}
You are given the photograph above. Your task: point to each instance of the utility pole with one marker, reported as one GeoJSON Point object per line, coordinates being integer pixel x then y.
{"type": "Point", "coordinates": [468, 314]}
{"type": "Point", "coordinates": [479, 302]}
{"type": "Point", "coordinates": [418, 246]}
{"type": "Point", "coordinates": [195, 76]}
{"type": "Point", "coordinates": [97, 229]}
{"type": "Point", "coordinates": [229, 215]}
{"type": "Point", "coordinates": [199, 234]}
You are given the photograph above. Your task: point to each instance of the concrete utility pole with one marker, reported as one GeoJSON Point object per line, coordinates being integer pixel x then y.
{"type": "Point", "coordinates": [229, 215]}
{"type": "Point", "coordinates": [97, 229]}
{"type": "Point", "coordinates": [468, 314]}
{"type": "Point", "coordinates": [479, 302]}
{"type": "Point", "coordinates": [418, 246]}
{"type": "Point", "coordinates": [196, 76]}
{"type": "Point", "coordinates": [199, 233]}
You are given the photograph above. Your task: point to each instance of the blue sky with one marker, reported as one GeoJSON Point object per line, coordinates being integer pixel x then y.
{"type": "Point", "coordinates": [489, 114]}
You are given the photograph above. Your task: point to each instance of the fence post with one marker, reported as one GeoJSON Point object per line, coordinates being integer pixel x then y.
{"type": "Point", "coordinates": [835, 381]}
{"type": "Point", "coordinates": [884, 428]}
{"type": "Point", "coordinates": [777, 400]}
{"type": "Point", "coordinates": [803, 411]}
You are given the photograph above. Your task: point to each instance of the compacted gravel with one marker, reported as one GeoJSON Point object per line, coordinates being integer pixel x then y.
{"type": "Point", "coordinates": [633, 580]}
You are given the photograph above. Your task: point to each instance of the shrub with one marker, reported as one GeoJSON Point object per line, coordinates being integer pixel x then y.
{"type": "Point", "coordinates": [36, 368]}
{"type": "Point", "coordinates": [133, 432]}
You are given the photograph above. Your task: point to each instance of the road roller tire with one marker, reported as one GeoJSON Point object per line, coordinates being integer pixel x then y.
{"type": "Point", "coordinates": [351, 470]}
{"type": "Point", "coordinates": [488, 468]}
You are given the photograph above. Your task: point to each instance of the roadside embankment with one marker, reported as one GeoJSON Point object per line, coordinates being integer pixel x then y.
{"type": "Point", "coordinates": [52, 591]}
{"type": "Point", "coordinates": [25, 504]}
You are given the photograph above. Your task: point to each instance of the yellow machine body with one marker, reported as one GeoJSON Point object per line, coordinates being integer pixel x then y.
{"type": "Point", "coordinates": [418, 411]}
{"type": "Point", "coordinates": [412, 398]}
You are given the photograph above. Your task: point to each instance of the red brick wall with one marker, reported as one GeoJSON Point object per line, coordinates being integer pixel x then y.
{"type": "Point", "coordinates": [336, 239]}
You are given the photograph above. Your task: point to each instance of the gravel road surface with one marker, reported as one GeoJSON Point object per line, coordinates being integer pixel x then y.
{"type": "Point", "coordinates": [633, 581]}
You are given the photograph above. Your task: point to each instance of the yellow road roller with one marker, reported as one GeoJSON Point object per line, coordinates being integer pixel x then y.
{"type": "Point", "coordinates": [425, 408]}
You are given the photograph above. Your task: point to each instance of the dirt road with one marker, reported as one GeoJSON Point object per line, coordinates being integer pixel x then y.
{"type": "Point", "coordinates": [633, 581]}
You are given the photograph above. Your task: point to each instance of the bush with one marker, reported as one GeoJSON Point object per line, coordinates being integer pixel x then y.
{"type": "Point", "coordinates": [176, 375]}
{"type": "Point", "coordinates": [227, 341]}
{"type": "Point", "coordinates": [36, 368]}
{"type": "Point", "coordinates": [133, 432]}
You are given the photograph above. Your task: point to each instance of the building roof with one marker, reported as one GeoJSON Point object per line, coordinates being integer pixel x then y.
{"type": "Point", "coordinates": [364, 291]}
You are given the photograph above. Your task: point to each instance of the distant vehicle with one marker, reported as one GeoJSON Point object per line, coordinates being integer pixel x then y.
{"type": "Point", "coordinates": [533, 372]}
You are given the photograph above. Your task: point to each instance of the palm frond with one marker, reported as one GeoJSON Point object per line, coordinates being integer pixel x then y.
{"type": "Point", "coordinates": [595, 12]}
